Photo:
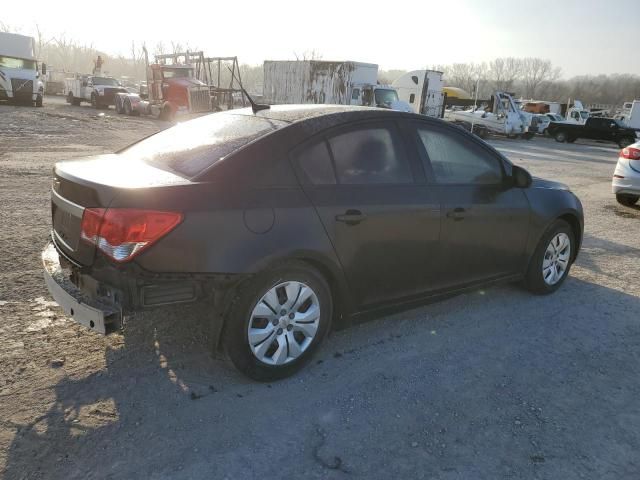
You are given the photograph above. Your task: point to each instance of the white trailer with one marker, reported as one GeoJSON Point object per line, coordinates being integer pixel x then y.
{"type": "Point", "coordinates": [323, 82]}
{"type": "Point", "coordinates": [19, 73]}
{"type": "Point", "coordinates": [422, 90]}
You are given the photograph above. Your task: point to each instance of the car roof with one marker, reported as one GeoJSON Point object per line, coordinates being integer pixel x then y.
{"type": "Point", "coordinates": [324, 115]}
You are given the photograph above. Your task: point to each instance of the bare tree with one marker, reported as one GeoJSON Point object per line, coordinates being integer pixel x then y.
{"type": "Point", "coordinates": [308, 55]}
{"type": "Point", "coordinates": [535, 72]}
{"type": "Point", "coordinates": [503, 73]}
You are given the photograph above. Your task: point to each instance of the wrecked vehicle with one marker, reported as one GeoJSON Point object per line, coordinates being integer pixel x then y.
{"type": "Point", "coordinates": [323, 82]}
{"type": "Point", "coordinates": [289, 220]}
{"type": "Point", "coordinates": [500, 116]}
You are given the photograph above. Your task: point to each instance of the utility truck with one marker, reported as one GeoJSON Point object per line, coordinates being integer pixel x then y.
{"type": "Point", "coordinates": [170, 90]}
{"type": "Point", "coordinates": [20, 80]}
{"type": "Point", "coordinates": [422, 90]}
{"type": "Point", "coordinates": [631, 114]}
{"type": "Point", "coordinates": [499, 115]}
{"type": "Point", "coordinates": [99, 90]}
{"type": "Point", "coordinates": [324, 82]}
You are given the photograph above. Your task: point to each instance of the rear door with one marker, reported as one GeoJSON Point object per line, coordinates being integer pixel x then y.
{"type": "Point", "coordinates": [485, 222]}
{"type": "Point", "coordinates": [368, 189]}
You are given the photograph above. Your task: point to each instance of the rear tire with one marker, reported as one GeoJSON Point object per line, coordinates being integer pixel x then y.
{"type": "Point", "coordinates": [627, 200]}
{"type": "Point", "coordinates": [550, 264]}
{"type": "Point", "coordinates": [561, 136]}
{"type": "Point", "coordinates": [255, 298]}
{"type": "Point", "coordinates": [625, 142]}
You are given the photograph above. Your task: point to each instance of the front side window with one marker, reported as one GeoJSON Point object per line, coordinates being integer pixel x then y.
{"type": "Point", "coordinates": [110, 82]}
{"type": "Point", "coordinates": [457, 160]}
{"type": "Point", "coordinates": [371, 155]}
{"type": "Point", "coordinates": [356, 94]}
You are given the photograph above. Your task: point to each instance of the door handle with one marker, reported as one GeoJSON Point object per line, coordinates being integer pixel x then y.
{"type": "Point", "coordinates": [456, 214]}
{"type": "Point", "coordinates": [351, 217]}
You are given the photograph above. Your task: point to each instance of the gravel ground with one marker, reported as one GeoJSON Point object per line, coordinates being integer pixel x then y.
{"type": "Point", "coordinates": [492, 384]}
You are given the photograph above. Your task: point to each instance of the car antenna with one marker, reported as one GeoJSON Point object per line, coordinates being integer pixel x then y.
{"type": "Point", "coordinates": [255, 107]}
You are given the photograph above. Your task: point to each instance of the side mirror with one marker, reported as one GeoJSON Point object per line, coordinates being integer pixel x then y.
{"type": "Point", "coordinates": [521, 178]}
{"type": "Point", "coordinates": [44, 69]}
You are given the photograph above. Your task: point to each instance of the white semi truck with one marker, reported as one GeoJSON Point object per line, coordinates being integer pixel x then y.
{"type": "Point", "coordinates": [324, 82]}
{"type": "Point", "coordinates": [422, 90]}
{"type": "Point", "coordinates": [20, 80]}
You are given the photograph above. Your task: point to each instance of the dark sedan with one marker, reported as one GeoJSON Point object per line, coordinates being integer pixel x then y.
{"type": "Point", "coordinates": [291, 220]}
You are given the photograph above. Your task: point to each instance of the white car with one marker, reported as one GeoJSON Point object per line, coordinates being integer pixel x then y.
{"type": "Point", "coordinates": [626, 177]}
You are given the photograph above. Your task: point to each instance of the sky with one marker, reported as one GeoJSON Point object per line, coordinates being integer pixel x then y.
{"type": "Point", "coordinates": [580, 36]}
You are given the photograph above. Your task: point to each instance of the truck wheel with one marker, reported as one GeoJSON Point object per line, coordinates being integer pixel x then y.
{"type": "Point", "coordinates": [94, 101]}
{"type": "Point", "coordinates": [625, 142]}
{"type": "Point", "coordinates": [167, 113]}
{"type": "Point", "coordinates": [561, 136]}
{"type": "Point", "coordinates": [127, 107]}
{"type": "Point", "coordinates": [39, 100]}
{"type": "Point", "coordinates": [117, 103]}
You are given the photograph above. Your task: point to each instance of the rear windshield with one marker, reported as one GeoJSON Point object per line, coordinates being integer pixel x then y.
{"type": "Point", "coordinates": [191, 147]}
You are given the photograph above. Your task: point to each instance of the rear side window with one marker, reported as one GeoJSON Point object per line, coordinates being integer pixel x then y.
{"type": "Point", "coordinates": [370, 155]}
{"type": "Point", "coordinates": [315, 162]}
{"type": "Point", "coordinates": [456, 160]}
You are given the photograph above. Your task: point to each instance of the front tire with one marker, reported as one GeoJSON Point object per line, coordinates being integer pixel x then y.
{"type": "Point", "coordinates": [39, 100]}
{"type": "Point", "coordinates": [127, 107]}
{"type": "Point", "coordinates": [94, 101]}
{"type": "Point", "coordinates": [277, 320]}
{"type": "Point", "coordinates": [550, 264]}
{"type": "Point", "coordinates": [627, 200]}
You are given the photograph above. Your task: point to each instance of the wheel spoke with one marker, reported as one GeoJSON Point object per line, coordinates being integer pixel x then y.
{"type": "Point", "coordinates": [294, 347]}
{"type": "Point", "coordinates": [281, 354]}
{"type": "Point", "coordinates": [258, 335]}
{"type": "Point", "coordinates": [263, 310]}
{"type": "Point", "coordinates": [304, 295]}
{"type": "Point", "coordinates": [261, 350]}
{"type": "Point", "coordinates": [292, 290]}
{"type": "Point", "coordinates": [271, 299]}
{"type": "Point", "coordinates": [307, 329]}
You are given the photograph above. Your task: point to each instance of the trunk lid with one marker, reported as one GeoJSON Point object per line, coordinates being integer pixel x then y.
{"type": "Point", "coordinates": [94, 183]}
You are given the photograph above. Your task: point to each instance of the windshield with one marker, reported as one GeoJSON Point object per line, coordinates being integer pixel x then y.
{"type": "Point", "coordinates": [177, 73]}
{"type": "Point", "coordinates": [191, 147]}
{"type": "Point", "coordinates": [11, 62]}
{"type": "Point", "coordinates": [111, 82]}
{"type": "Point", "coordinates": [385, 97]}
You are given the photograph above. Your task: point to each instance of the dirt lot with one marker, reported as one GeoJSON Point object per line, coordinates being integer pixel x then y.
{"type": "Point", "coordinates": [492, 384]}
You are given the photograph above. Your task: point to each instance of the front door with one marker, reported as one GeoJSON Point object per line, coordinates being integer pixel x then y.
{"type": "Point", "coordinates": [485, 222]}
{"type": "Point", "coordinates": [383, 223]}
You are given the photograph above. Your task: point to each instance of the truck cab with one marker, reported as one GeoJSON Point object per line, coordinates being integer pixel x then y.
{"type": "Point", "coordinates": [20, 78]}
{"type": "Point", "coordinates": [376, 96]}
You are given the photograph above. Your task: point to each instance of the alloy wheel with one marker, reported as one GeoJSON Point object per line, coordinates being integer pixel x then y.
{"type": "Point", "coordinates": [556, 258]}
{"type": "Point", "coordinates": [284, 323]}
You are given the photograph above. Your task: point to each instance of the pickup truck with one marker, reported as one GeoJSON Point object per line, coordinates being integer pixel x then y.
{"type": "Point", "coordinates": [595, 128]}
{"type": "Point", "coordinates": [98, 90]}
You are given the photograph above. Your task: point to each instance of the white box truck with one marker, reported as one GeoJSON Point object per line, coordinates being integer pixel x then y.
{"type": "Point", "coordinates": [19, 75]}
{"type": "Point", "coordinates": [324, 82]}
{"type": "Point", "coordinates": [422, 90]}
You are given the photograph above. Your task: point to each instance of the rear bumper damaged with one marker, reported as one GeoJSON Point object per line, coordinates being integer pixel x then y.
{"type": "Point", "coordinates": [99, 297]}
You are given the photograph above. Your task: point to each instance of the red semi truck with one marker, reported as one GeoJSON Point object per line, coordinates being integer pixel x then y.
{"type": "Point", "coordinates": [172, 90]}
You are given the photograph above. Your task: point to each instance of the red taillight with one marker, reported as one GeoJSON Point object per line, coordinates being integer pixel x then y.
{"type": "Point", "coordinates": [630, 153]}
{"type": "Point", "coordinates": [122, 233]}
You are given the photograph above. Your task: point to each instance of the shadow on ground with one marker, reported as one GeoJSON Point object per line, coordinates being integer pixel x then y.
{"type": "Point", "coordinates": [493, 384]}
